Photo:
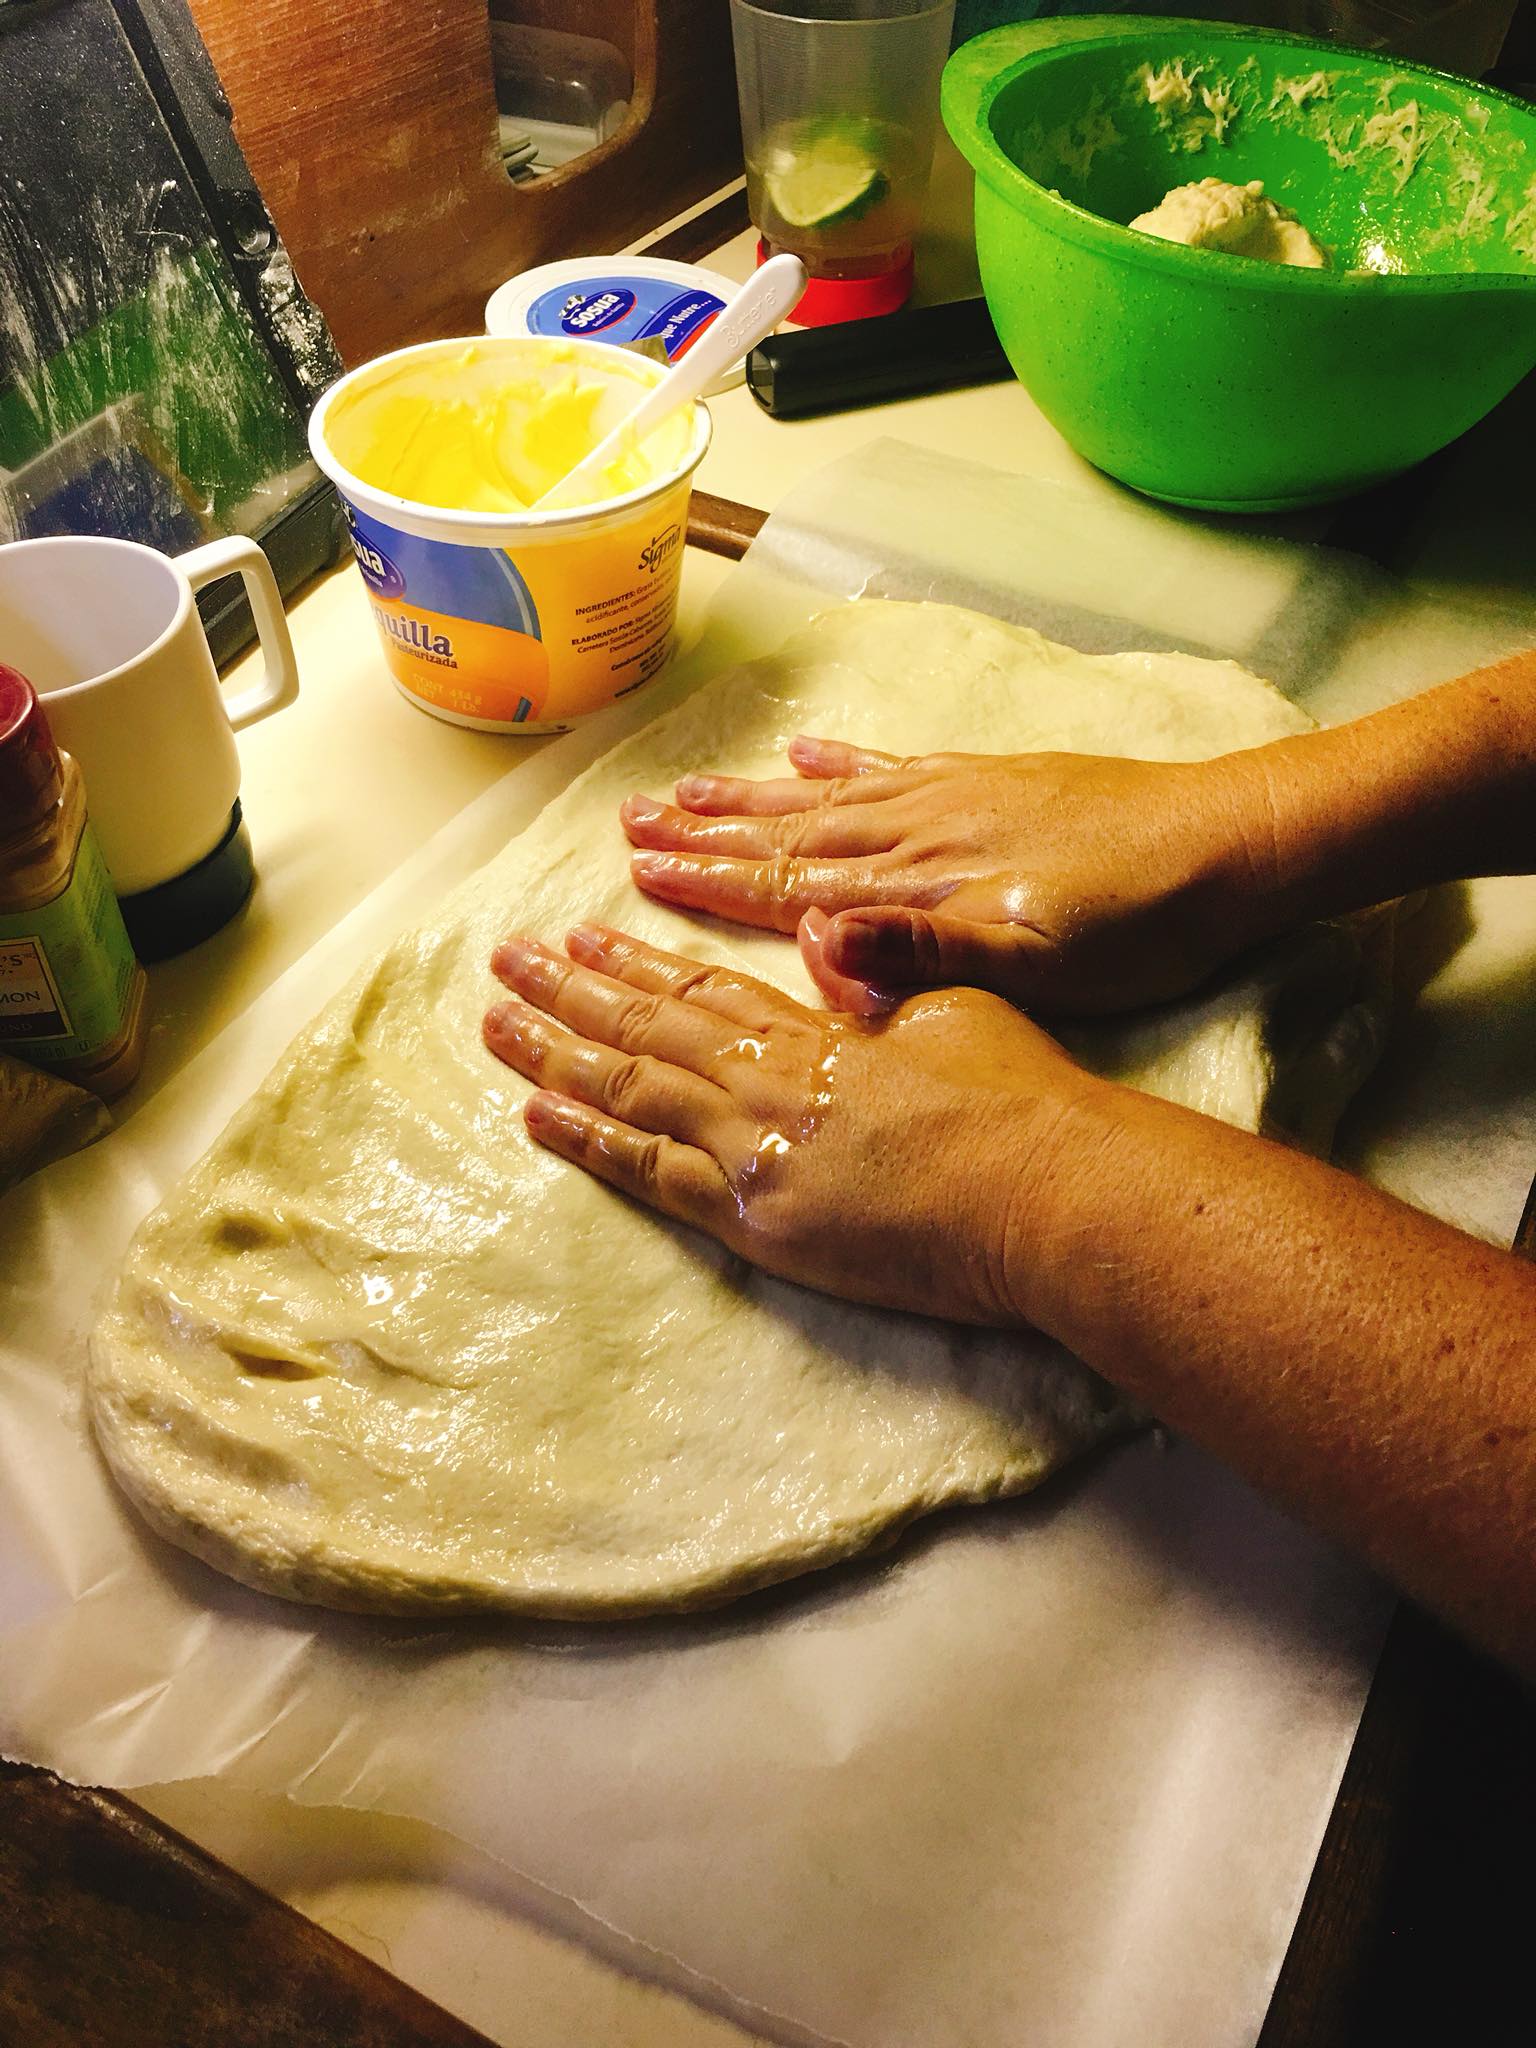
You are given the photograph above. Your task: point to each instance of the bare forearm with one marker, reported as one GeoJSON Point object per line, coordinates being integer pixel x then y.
{"type": "Point", "coordinates": [1370, 1368]}
{"type": "Point", "coordinates": [1439, 788]}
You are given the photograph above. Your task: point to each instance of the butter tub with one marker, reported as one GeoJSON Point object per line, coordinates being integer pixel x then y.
{"type": "Point", "coordinates": [509, 621]}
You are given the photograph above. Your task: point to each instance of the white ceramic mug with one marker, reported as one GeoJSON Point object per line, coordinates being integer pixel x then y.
{"type": "Point", "coordinates": [108, 633]}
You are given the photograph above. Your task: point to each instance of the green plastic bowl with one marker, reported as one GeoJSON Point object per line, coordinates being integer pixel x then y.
{"type": "Point", "coordinates": [1214, 380]}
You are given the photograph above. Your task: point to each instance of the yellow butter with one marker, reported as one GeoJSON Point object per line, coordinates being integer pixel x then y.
{"type": "Point", "coordinates": [464, 446]}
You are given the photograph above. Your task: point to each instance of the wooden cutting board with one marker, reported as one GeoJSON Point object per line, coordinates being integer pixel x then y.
{"type": "Point", "coordinates": [117, 1933]}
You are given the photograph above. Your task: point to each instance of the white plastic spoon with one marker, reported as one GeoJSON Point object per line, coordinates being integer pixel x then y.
{"type": "Point", "coordinates": [767, 297]}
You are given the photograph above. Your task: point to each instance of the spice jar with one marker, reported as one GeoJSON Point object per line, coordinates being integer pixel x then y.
{"type": "Point", "coordinates": [71, 991]}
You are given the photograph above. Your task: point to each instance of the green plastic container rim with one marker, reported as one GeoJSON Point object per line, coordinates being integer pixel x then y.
{"type": "Point", "coordinates": [981, 69]}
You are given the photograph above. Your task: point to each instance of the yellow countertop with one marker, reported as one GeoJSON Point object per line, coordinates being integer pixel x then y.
{"type": "Point", "coordinates": [338, 790]}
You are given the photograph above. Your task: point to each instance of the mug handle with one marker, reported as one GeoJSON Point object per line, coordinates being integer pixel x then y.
{"type": "Point", "coordinates": [279, 683]}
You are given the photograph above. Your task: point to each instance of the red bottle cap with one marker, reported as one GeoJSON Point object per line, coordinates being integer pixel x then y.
{"type": "Point", "coordinates": [31, 778]}
{"type": "Point", "coordinates": [826, 301]}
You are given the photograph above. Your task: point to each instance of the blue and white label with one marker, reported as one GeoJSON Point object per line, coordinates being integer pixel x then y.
{"type": "Point", "coordinates": [442, 577]}
{"type": "Point", "coordinates": [682, 320]}
{"type": "Point", "coordinates": [625, 308]}
{"type": "Point", "coordinates": [591, 312]}
{"type": "Point", "coordinates": [379, 572]}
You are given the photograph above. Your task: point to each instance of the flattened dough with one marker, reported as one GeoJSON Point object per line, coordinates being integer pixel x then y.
{"type": "Point", "coordinates": [378, 1351]}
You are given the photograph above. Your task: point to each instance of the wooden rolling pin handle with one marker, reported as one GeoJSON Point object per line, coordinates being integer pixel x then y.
{"type": "Point", "coordinates": [722, 527]}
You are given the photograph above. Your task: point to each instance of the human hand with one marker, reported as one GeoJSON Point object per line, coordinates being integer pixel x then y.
{"type": "Point", "coordinates": [888, 1161]}
{"type": "Point", "coordinates": [1065, 882]}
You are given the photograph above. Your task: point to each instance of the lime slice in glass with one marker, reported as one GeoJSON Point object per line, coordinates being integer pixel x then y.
{"type": "Point", "coordinates": [831, 182]}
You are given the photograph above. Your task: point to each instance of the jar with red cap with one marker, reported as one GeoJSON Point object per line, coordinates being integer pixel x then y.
{"type": "Point", "coordinates": [71, 991]}
{"type": "Point", "coordinates": [839, 110]}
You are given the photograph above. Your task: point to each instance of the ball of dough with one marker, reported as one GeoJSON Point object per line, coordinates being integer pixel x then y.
{"type": "Point", "coordinates": [1237, 219]}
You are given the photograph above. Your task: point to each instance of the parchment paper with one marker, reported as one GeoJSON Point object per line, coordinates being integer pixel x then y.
{"type": "Point", "coordinates": [1051, 1772]}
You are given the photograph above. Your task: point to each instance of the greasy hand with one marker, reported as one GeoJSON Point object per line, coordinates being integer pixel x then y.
{"type": "Point", "coordinates": [1065, 882]}
{"type": "Point", "coordinates": [885, 1161]}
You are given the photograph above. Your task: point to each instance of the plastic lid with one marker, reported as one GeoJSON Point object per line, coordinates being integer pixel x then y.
{"type": "Point", "coordinates": [828, 300]}
{"type": "Point", "coordinates": [31, 777]}
{"type": "Point", "coordinates": [647, 303]}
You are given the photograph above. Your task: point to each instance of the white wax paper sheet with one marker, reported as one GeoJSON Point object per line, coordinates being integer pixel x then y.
{"type": "Point", "coordinates": [1049, 1772]}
